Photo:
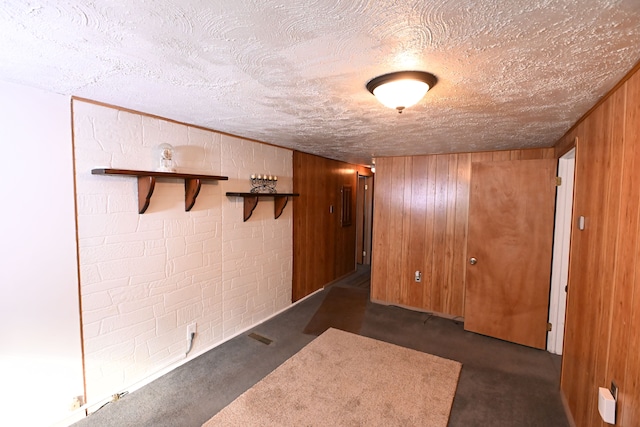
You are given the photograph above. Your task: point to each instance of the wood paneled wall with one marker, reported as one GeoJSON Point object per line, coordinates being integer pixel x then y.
{"type": "Point", "coordinates": [323, 249]}
{"type": "Point", "coordinates": [421, 207]}
{"type": "Point", "coordinates": [602, 330]}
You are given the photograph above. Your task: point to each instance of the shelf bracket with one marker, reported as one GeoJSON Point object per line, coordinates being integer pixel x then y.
{"type": "Point", "coordinates": [146, 184]}
{"type": "Point", "coordinates": [250, 203]}
{"type": "Point", "coordinates": [191, 191]}
{"type": "Point", "coordinates": [279, 203]}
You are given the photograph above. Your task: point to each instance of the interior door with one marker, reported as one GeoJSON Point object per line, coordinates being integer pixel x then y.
{"type": "Point", "coordinates": [364, 203]}
{"type": "Point", "coordinates": [360, 219]}
{"type": "Point", "coordinates": [511, 214]}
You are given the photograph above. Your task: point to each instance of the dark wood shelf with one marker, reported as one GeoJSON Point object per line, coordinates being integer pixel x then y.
{"type": "Point", "coordinates": [147, 183]}
{"type": "Point", "coordinates": [251, 201]}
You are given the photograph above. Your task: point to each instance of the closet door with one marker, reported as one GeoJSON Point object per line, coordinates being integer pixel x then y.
{"type": "Point", "coordinates": [511, 215]}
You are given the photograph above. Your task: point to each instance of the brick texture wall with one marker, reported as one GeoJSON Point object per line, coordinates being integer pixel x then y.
{"type": "Point", "coordinates": [144, 278]}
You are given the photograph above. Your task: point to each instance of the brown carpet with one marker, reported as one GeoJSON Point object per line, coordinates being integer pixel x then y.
{"type": "Point", "coordinates": [342, 308]}
{"type": "Point", "coordinates": [342, 379]}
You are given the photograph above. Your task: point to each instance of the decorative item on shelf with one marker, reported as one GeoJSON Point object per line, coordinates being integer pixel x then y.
{"type": "Point", "coordinates": [165, 157]}
{"type": "Point", "coordinates": [264, 183]}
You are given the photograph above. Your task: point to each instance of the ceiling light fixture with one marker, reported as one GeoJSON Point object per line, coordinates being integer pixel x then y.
{"type": "Point", "coordinates": [401, 89]}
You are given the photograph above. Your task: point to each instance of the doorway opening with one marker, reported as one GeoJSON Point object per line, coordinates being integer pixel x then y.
{"type": "Point", "coordinates": [364, 215]}
{"type": "Point", "coordinates": [561, 247]}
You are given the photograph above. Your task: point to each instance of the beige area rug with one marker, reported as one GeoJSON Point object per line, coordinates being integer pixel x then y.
{"type": "Point", "coordinates": [343, 379]}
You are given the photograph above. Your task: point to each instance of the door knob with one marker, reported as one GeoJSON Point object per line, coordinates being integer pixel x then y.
{"type": "Point", "coordinates": [473, 261]}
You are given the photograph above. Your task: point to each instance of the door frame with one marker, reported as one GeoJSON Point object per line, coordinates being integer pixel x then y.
{"type": "Point", "coordinates": [561, 247]}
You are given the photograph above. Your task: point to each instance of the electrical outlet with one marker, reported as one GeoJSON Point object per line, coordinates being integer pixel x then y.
{"type": "Point", "coordinates": [418, 276]}
{"type": "Point", "coordinates": [76, 403]}
{"type": "Point", "coordinates": [614, 390]}
{"type": "Point", "coordinates": [191, 329]}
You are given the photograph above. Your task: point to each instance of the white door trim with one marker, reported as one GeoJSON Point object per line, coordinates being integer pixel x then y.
{"type": "Point", "coordinates": [561, 244]}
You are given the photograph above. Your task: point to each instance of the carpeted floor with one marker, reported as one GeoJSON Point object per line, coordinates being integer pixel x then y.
{"type": "Point", "coordinates": [343, 308]}
{"type": "Point", "coordinates": [501, 384]}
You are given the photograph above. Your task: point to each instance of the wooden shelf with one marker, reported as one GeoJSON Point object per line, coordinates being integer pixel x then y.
{"type": "Point", "coordinates": [147, 182]}
{"type": "Point", "coordinates": [251, 201]}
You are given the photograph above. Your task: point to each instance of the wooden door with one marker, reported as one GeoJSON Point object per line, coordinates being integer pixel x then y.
{"type": "Point", "coordinates": [364, 204]}
{"type": "Point", "coordinates": [360, 219]}
{"type": "Point", "coordinates": [511, 214]}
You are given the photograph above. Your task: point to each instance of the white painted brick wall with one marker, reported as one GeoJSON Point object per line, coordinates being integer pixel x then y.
{"type": "Point", "coordinates": [258, 252]}
{"type": "Point", "coordinates": [144, 278]}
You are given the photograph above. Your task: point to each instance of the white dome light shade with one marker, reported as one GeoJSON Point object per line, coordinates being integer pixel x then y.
{"type": "Point", "coordinates": [402, 89]}
{"type": "Point", "coordinates": [401, 93]}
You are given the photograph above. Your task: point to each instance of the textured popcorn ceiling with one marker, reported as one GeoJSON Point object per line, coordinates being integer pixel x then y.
{"type": "Point", "coordinates": [512, 74]}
